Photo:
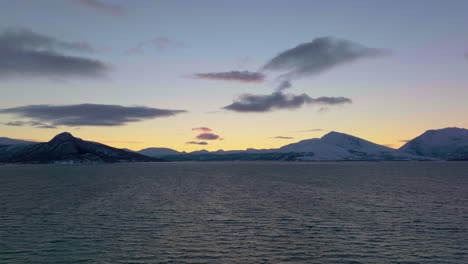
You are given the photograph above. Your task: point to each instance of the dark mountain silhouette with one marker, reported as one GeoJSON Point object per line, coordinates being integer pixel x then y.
{"type": "Point", "coordinates": [66, 148]}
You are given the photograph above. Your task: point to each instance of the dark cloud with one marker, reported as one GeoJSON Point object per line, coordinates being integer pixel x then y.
{"type": "Point", "coordinates": [319, 55]}
{"type": "Point", "coordinates": [284, 85]}
{"type": "Point", "coordinates": [208, 136]}
{"type": "Point", "coordinates": [279, 100]}
{"type": "Point", "coordinates": [239, 76]}
{"type": "Point", "coordinates": [466, 55]}
{"type": "Point", "coordinates": [29, 123]}
{"type": "Point", "coordinates": [99, 6]}
{"type": "Point", "coordinates": [15, 123]}
{"type": "Point", "coordinates": [197, 143]}
{"type": "Point", "coordinates": [25, 53]}
{"type": "Point", "coordinates": [204, 129]}
{"type": "Point", "coordinates": [88, 114]}
{"type": "Point", "coordinates": [281, 137]}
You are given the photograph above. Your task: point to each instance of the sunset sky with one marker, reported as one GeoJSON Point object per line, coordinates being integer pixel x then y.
{"type": "Point", "coordinates": [212, 75]}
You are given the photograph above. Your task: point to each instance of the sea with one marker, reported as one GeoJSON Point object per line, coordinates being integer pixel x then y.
{"type": "Point", "coordinates": [235, 212]}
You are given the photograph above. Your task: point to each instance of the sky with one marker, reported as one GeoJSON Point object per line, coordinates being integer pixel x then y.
{"type": "Point", "coordinates": [192, 75]}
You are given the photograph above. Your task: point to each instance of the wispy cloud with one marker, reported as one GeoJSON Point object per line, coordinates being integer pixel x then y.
{"type": "Point", "coordinates": [405, 140]}
{"type": "Point", "coordinates": [102, 7]}
{"type": "Point", "coordinates": [312, 130]}
{"type": "Point", "coordinates": [196, 143]}
{"type": "Point", "coordinates": [279, 100]}
{"type": "Point", "coordinates": [204, 129]}
{"type": "Point", "coordinates": [88, 47]}
{"type": "Point", "coordinates": [159, 44]}
{"type": "Point", "coordinates": [29, 123]}
{"type": "Point", "coordinates": [88, 114]}
{"type": "Point", "coordinates": [282, 137]}
{"type": "Point", "coordinates": [25, 53]}
{"type": "Point", "coordinates": [238, 76]}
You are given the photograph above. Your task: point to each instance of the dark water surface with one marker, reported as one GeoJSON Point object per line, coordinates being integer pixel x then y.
{"type": "Point", "coordinates": [354, 212]}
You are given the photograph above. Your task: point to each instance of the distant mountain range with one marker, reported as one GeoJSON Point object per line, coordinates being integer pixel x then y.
{"type": "Point", "coordinates": [64, 148]}
{"type": "Point", "coordinates": [441, 144]}
{"type": "Point", "coordinates": [11, 141]}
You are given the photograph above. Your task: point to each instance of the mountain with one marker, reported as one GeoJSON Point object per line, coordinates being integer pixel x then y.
{"type": "Point", "coordinates": [447, 144]}
{"type": "Point", "coordinates": [158, 152]}
{"type": "Point", "coordinates": [332, 146]}
{"type": "Point", "coordinates": [64, 148]}
{"type": "Point", "coordinates": [340, 146]}
{"type": "Point", "coordinates": [441, 144]}
{"type": "Point", "coordinates": [11, 141]}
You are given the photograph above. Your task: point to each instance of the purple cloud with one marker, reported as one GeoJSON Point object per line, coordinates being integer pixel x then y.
{"type": "Point", "coordinates": [208, 136]}
{"type": "Point", "coordinates": [196, 143]}
{"type": "Point", "coordinates": [204, 129]}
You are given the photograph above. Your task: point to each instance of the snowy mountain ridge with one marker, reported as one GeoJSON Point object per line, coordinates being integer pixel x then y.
{"type": "Point", "coordinates": [448, 143]}
{"type": "Point", "coordinates": [440, 144]}
{"type": "Point", "coordinates": [12, 141]}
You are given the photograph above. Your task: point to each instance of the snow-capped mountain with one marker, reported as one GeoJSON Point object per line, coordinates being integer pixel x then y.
{"type": "Point", "coordinates": [332, 146]}
{"type": "Point", "coordinates": [340, 146]}
{"type": "Point", "coordinates": [11, 141]}
{"type": "Point", "coordinates": [442, 144]}
{"type": "Point", "coordinates": [66, 148]}
{"type": "Point", "coordinates": [447, 143]}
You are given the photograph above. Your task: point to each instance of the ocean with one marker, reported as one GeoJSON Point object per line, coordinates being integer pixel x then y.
{"type": "Point", "coordinates": [235, 212]}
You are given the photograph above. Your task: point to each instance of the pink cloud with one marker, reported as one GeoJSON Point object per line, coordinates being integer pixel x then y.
{"type": "Point", "coordinates": [204, 129]}
{"type": "Point", "coordinates": [208, 136]}
{"type": "Point", "coordinates": [99, 6]}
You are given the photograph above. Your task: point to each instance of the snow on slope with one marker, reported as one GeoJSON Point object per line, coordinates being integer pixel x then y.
{"type": "Point", "coordinates": [11, 141]}
{"type": "Point", "coordinates": [340, 146]}
{"type": "Point", "coordinates": [446, 143]}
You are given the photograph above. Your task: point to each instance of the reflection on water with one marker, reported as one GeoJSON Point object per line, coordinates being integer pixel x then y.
{"type": "Point", "coordinates": [348, 212]}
